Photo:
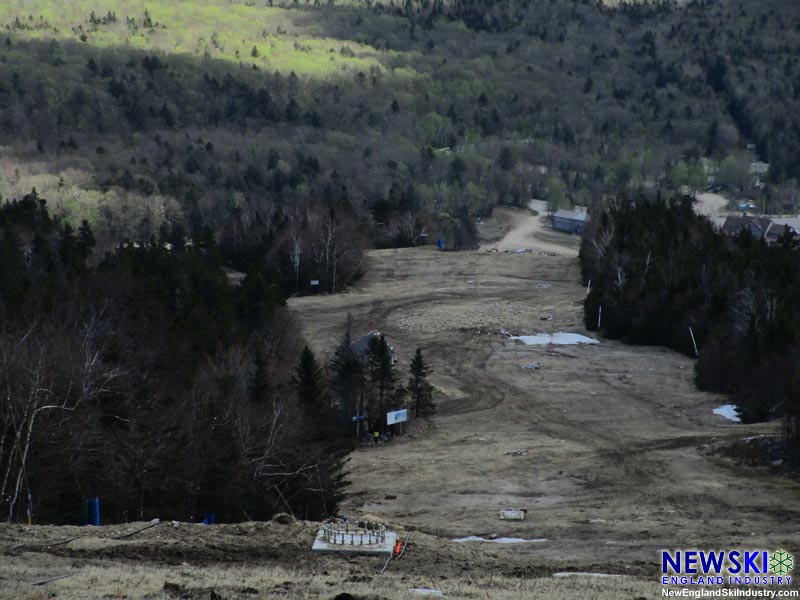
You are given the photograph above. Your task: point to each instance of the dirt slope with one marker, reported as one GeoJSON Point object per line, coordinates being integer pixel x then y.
{"type": "Point", "coordinates": [610, 448]}
{"type": "Point", "coordinates": [619, 457]}
{"type": "Point", "coordinates": [265, 561]}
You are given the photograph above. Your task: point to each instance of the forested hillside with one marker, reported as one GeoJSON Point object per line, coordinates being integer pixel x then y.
{"type": "Point", "coordinates": [174, 139]}
{"type": "Point", "coordinates": [153, 382]}
{"type": "Point", "coordinates": [660, 274]}
{"type": "Point", "coordinates": [303, 133]}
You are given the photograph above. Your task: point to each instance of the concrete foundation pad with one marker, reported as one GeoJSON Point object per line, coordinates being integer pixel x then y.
{"type": "Point", "coordinates": [352, 544]}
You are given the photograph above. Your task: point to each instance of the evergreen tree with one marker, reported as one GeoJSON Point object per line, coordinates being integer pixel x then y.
{"type": "Point", "coordinates": [260, 387]}
{"type": "Point", "coordinates": [346, 377]}
{"type": "Point", "coordinates": [420, 390]}
{"type": "Point", "coordinates": [382, 381]}
{"type": "Point", "coordinates": [14, 280]}
{"type": "Point", "coordinates": [85, 239]}
{"type": "Point", "coordinates": [318, 486]}
{"type": "Point", "coordinates": [309, 383]}
{"type": "Point", "coordinates": [507, 159]}
{"type": "Point", "coordinates": [69, 249]}
{"type": "Point", "coordinates": [258, 298]}
{"type": "Point", "coordinates": [308, 380]}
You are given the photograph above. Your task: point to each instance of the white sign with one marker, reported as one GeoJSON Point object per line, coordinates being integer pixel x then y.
{"type": "Point", "coordinates": [397, 416]}
{"type": "Point", "coordinates": [315, 282]}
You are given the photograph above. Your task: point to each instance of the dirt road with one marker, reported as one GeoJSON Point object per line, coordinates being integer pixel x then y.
{"type": "Point", "coordinates": [616, 446]}
{"type": "Point", "coordinates": [525, 231]}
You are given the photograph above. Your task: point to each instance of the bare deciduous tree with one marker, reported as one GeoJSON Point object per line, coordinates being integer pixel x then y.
{"type": "Point", "coordinates": [45, 369]}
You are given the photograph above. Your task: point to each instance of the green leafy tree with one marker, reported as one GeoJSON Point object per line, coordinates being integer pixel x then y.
{"type": "Point", "coordinates": [734, 171]}
{"type": "Point", "coordinates": [556, 189]}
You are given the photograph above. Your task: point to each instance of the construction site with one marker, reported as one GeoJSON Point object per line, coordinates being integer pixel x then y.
{"type": "Point", "coordinates": [553, 469]}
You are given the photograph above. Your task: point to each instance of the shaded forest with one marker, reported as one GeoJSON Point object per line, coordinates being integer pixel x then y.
{"type": "Point", "coordinates": [151, 381]}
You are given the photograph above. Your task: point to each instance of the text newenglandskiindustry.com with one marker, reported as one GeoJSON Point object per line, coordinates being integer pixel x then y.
{"type": "Point", "coordinates": [728, 593]}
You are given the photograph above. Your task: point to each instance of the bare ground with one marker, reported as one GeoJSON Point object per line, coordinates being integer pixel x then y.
{"type": "Point", "coordinates": [711, 205]}
{"type": "Point", "coordinates": [620, 444]}
{"type": "Point", "coordinates": [515, 229]}
{"type": "Point", "coordinates": [609, 447]}
{"type": "Point", "coordinates": [267, 560]}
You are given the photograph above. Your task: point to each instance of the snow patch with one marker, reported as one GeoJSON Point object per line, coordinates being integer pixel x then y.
{"type": "Point", "coordinates": [728, 411]}
{"type": "Point", "coordinates": [561, 339]}
{"type": "Point", "coordinates": [427, 592]}
{"type": "Point", "coordinates": [500, 540]}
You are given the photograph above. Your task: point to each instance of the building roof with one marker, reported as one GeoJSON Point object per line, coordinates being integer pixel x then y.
{"type": "Point", "coordinates": [756, 225]}
{"type": "Point", "coordinates": [361, 347]}
{"type": "Point", "coordinates": [793, 222]}
{"type": "Point", "coordinates": [777, 230]}
{"type": "Point", "coordinates": [572, 215]}
{"type": "Point", "coordinates": [761, 227]}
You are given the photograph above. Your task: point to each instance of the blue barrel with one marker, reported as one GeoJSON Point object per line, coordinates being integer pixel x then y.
{"type": "Point", "coordinates": [93, 511]}
{"type": "Point", "coordinates": [209, 518]}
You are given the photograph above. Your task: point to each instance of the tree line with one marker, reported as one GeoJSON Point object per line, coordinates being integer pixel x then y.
{"type": "Point", "coordinates": [426, 116]}
{"type": "Point", "coordinates": [146, 378]}
{"type": "Point", "coordinates": [657, 269]}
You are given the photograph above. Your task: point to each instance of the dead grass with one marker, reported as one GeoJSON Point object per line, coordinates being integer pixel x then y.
{"type": "Point", "coordinates": [121, 580]}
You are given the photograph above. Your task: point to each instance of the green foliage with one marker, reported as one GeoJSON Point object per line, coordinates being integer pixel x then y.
{"type": "Point", "coordinates": [734, 172]}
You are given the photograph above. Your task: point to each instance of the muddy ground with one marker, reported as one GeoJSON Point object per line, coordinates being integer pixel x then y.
{"type": "Point", "coordinates": [620, 449]}
{"type": "Point", "coordinates": [610, 449]}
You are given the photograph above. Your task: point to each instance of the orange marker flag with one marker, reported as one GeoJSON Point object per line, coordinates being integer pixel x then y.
{"type": "Point", "coordinates": [397, 548]}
